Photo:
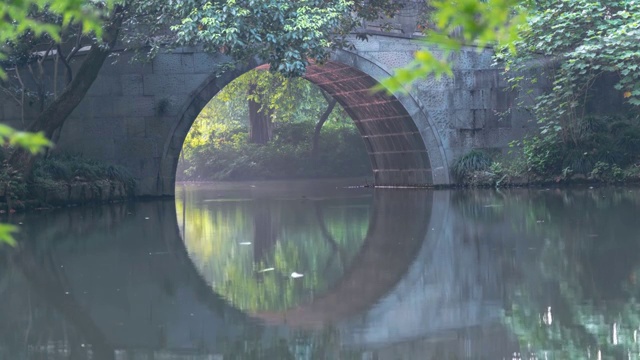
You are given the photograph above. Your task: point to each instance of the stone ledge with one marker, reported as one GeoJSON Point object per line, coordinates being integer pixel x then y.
{"type": "Point", "coordinates": [56, 194]}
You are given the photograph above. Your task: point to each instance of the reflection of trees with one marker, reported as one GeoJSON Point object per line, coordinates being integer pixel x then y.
{"type": "Point", "coordinates": [265, 232]}
{"type": "Point", "coordinates": [303, 236]}
{"type": "Point", "coordinates": [322, 344]}
{"type": "Point", "coordinates": [41, 318]}
{"type": "Point", "coordinates": [43, 273]}
{"type": "Point", "coordinates": [337, 251]}
{"type": "Point", "coordinates": [577, 253]}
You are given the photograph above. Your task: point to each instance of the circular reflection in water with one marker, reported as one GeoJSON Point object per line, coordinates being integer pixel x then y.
{"type": "Point", "coordinates": [268, 251]}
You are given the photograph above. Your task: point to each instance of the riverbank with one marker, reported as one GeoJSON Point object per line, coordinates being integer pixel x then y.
{"type": "Point", "coordinates": [543, 166]}
{"type": "Point", "coordinates": [64, 181]}
{"type": "Point", "coordinates": [486, 179]}
{"type": "Point", "coordinates": [70, 180]}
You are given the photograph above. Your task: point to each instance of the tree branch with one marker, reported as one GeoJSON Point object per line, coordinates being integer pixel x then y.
{"type": "Point", "coordinates": [331, 103]}
{"type": "Point", "coordinates": [66, 65]}
{"type": "Point", "coordinates": [76, 47]}
{"type": "Point", "coordinates": [57, 112]}
{"type": "Point", "coordinates": [21, 102]}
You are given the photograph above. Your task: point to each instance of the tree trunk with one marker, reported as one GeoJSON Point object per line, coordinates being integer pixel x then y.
{"type": "Point", "coordinates": [260, 124]}
{"type": "Point", "coordinates": [265, 233]}
{"type": "Point", "coordinates": [335, 248]}
{"type": "Point", "coordinates": [331, 103]}
{"type": "Point", "coordinates": [59, 110]}
{"type": "Point", "coordinates": [56, 113]}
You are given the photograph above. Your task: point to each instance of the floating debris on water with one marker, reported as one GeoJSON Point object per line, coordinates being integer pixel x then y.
{"type": "Point", "coordinates": [296, 275]}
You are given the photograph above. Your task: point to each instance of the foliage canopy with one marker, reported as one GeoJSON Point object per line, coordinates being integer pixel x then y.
{"type": "Point", "coordinates": [579, 48]}
{"type": "Point", "coordinates": [287, 35]}
{"type": "Point", "coordinates": [581, 40]}
{"type": "Point", "coordinates": [46, 18]}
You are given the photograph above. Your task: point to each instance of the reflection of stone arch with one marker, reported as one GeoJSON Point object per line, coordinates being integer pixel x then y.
{"type": "Point", "coordinates": [403, 147]}
{"type": "Point", "coordinates": [392, 241]}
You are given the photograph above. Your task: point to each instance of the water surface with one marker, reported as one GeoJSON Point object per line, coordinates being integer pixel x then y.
{"type": "Point", "coordinates": [319, 270]}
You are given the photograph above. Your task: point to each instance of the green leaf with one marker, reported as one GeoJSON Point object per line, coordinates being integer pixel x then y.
{"type": "Point", "coordinates": [6, 234]}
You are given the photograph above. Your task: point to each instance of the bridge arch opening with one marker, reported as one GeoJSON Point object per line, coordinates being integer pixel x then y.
{"type": "Point", "coordinates": [402, 147]}
{"type": "Point", "coordinates": [264, 126]}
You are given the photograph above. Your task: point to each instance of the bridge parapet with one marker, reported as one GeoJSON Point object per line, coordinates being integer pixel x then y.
{"type": "Point", "coordinates": [408, 22]}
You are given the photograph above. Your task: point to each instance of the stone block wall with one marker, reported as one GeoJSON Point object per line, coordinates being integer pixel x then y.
{"type": "Point", "coordinates": [474, 109]}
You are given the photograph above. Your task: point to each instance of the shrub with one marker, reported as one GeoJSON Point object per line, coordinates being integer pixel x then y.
{"type": "Point", "coordinates": [472, 161]}
{"type": "Point", "coordinates": [69, 168]}
{"type": "Point", "coordinates": [12, 182]}
{"type": "Point", "coordinates": [613, 140]}
{"type": "Point", "coordinates": [606, 172]}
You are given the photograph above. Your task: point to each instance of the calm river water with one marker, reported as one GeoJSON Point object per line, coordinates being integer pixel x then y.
{"type": "Point", "coordinates": [317, 270]}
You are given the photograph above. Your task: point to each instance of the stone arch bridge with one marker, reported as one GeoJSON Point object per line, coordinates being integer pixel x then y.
{"type": "Point", "coordinates": [138, 115]}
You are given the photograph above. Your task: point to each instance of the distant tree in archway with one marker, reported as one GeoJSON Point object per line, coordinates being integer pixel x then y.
{"type": "Point", "coordinates": [270, 98]}
{"type": "Point", "coordinates": [260, 122]}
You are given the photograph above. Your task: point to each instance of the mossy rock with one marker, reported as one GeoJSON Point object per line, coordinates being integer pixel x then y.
{"type": "Point", "coordinates": [58, 195]}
